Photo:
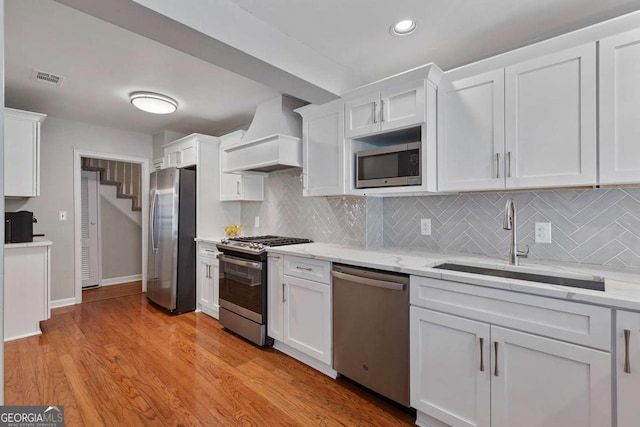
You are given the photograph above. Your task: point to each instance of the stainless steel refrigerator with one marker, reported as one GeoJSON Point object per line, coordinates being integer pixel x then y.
{"type": "Point", "coordinates": [171, 274]}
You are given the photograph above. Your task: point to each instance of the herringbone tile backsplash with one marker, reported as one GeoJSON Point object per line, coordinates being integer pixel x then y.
{"type": "Point", "coordinates": [588, 226]}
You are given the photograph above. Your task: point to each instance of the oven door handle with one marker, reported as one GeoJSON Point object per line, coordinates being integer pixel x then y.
{"type": "Point", "coordinates": [240, 262]}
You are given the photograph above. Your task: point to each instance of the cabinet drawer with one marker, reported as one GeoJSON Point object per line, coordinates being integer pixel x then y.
{"type": "Point", "coordinates": [207, 249]}
{"type": "Point", "coordinates": [568, 321]}
{"type": "Point", "coordinates": [307, 268]}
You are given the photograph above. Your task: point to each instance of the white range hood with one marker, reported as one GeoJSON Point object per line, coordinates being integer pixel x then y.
{"type": "Point", "coordinates": [273, 141]}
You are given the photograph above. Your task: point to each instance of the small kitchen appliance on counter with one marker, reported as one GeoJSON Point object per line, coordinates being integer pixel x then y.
{"type": "Point", "coordinates": [243, 284]}
{"type": "Point", "coordinates": [18, 226]}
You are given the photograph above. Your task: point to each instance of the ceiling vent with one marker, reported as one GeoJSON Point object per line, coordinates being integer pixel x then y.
{"type": "Point", "coordinates": [44, 77]}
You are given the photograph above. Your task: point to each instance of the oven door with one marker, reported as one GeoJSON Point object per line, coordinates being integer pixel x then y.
{"type": "Point", "coordinates": [243, 287]}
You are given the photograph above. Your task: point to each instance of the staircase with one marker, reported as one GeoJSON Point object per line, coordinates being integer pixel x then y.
{"type": "Point", "coordinates": [127, 177]}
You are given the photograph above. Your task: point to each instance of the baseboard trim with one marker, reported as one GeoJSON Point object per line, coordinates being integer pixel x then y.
{"type": "Point", "coordinates": [62, 302]}
{"type": "Point", "coordinates": [120, 280]}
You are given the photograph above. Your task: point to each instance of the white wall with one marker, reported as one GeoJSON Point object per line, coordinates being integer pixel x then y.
{"type": "Point", "coordinates": [59, 139]}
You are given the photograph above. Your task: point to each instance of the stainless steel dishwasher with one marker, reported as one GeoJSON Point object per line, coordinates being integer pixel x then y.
{"type": "Point", "coordinates": [371, 329]}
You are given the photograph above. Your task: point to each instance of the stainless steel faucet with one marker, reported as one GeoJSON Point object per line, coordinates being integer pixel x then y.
{"type": "Point", "coordinates": [509, 223]}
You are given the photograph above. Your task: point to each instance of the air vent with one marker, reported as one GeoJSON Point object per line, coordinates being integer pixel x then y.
{"type": "Point", "coordinates": [50, 78]}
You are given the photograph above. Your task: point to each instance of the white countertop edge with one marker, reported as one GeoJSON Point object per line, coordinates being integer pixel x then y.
{"type": "Point", "coordinates": [37, 241]}
{"type": "Point", "coordinates": [622, 286]}
{"type": "Point", "coordinates": [214, 240]}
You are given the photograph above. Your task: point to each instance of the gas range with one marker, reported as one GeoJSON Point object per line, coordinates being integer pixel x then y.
{"type": "Point", "coordinates": [256, 245]}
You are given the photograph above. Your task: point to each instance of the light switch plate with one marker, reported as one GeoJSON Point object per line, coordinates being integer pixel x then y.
{"type": "Point", "coordinates": [542, 232]}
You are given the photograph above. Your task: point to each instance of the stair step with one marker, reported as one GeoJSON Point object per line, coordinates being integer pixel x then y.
{"type": "Point", "coordinates": [125, 176]}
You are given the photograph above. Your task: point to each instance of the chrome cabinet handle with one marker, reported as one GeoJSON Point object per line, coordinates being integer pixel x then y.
{"type": "Point", "coordinates": [375, 108]}
{"type": "Point", "coordinates": [627, 363]}
{"type": "Point", "coordinates": [283, 299]}
{"type": "Point", "coordinates": [274, 257]}
{"type": "Point", "coordinates": [304, 268]}
{"type": "Point", "coordinates": [238, 187]}
{"type": "Point", "coordinates": [481, 355]}
{"type": "Point", "coordinates": [497, 165]}
{"type": "Point", "coordinates": [509, 164]}
{"type": "Point", "coordinates": [381, 111]}
{"type": "Point", "coordinates": [495, 344]}
{"type": "Point", "coordinates": [209, 271]}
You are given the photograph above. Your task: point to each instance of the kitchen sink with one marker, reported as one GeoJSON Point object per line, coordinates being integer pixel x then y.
{"type": "Point", "coordinates": [596, 285]}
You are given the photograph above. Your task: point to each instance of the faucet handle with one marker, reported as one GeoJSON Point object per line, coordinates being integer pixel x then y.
{"type": "Point", "coordinates": [523, 254]}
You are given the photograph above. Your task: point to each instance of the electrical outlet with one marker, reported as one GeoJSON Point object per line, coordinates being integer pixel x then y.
{"type": "Point", "coordinates": [256, 222]}
{"type": "Point", "coordinates": [62, 215]}
{"type": "Point", "coordinates": [543, 232]}
{"type": "Point", "coordinates": [425, 226]}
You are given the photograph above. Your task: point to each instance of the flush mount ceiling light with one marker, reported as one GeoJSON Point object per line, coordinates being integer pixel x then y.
{"type": "Point", "coordinates": [404, 27]}
{"type": "Point", "coordinates": [153, 102]}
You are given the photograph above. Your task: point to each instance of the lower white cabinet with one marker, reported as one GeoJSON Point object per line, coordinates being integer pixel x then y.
{"type": "Point", "coordinates": [466, 372]}
{"type": "Point", "coordinates": [208, 279]}
{"type": "Point", "coordinates": [27, 285]}
{"type": "Point", "coordinates": [627, 368]}
{"type": "Point", "coordinates": [299, 314]}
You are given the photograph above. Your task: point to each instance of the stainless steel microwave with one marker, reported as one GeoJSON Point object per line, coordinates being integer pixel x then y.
{"type": "Point", "coordinates": [392, 166]}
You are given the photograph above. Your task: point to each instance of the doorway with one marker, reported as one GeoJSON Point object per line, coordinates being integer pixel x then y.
{"type": "Point", "coordinates": [90, 229]}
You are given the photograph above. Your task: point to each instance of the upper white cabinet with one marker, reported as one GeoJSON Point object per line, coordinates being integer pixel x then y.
{"type": "Point", "coordinates": [394, 107]}
{"type": "Point", "coordinates": [619, 105]}
{"type": "Point", "coordinates": [529, 125]}
{"type": "Point", "coordinates": [471, 133]}
{"type": "Point", "coordinates": [238, 187]}
{"type": "Point", "coordinates": [323, 149]}
{"type": "Point", "coordinates": [627, 368]}
{"type": "Point", "coordinates": [181, 153]}
{"type": "Point", "coordinates": [550, 120]}
{"type": "Point", "coordinates": [22, 153]}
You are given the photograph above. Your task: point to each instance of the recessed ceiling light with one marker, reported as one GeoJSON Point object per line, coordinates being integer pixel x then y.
{"type": "Point", "coordinates": [153, 102]}
{"type": "Point", "coordinates": [404, 27]}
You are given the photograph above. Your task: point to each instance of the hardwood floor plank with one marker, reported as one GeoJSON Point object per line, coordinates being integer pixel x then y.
{"type": "Point", "coordinates": [122, 361]}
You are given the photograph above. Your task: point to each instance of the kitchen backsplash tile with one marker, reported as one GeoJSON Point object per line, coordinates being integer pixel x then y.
{"type": "Point", "coordinates": [600, 226]}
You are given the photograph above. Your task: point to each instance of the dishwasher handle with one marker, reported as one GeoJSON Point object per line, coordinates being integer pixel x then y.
{"type": "Point", "coordinates": [369, 282]}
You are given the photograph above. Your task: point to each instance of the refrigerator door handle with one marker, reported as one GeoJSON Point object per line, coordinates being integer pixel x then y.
{"type": "Point", "coordinates": [152, 222]}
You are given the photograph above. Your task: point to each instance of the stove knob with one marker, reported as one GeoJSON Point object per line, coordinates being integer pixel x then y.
{"type": "Point", "coordinates": [252, 245]}
{"type": "Point", "coordinates": [259, 246]}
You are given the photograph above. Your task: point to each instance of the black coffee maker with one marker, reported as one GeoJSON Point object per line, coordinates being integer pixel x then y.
{"type": "Point", "coordinates": [18, 226]}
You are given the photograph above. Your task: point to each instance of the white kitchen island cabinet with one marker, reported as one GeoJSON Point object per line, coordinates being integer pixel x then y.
{"type": "Point", "coordinates": [27, 287]}
{"type": "Point", "coordinates": [471, 367]}
{"type": "Point", "coordinates": [22, 153]}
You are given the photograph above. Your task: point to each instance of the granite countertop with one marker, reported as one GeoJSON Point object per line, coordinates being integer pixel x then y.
{"type": "Point", "coordinates": [37, 241]}
{"type": "Point", "coordinates": [622, 286]}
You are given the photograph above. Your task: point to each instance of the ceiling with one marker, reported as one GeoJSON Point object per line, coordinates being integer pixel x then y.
{"type": "Point", "coordinates": [102, 63]}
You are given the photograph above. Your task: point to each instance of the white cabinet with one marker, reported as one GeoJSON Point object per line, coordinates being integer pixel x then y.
{"type": "Point", "coordinates": [299, 309]}
{"type": "Point", "coordinates": [529, 125]}
{"type": "Point", "coordinates": [450, 368]}
{"type": "Point", "coordinates": [181, 153]}
{"type": "Point", "coordinates": [208, 279]}
{"type": "Point", "coordinates": [158, 163]}
{"type": "Point", "coordinates": [22, 153]}
{"type": "Point", "coordinates": [471, 367]}
{"type": "Point", "coordinates": [395, 107]}
{"type": "Point", "coordinates": [27, 287]}
{"type": "Point", "coordinates": [323, 149]}
{"type": "Point", "coordinates": [238, 187]}
{"type": "Point", "coordinates": [550, 124]}
{"type": "Point", "coordinates": [619, 103]}
{"type": "Point", "coordinates": [471, 133]}
{"type": "Point", "coordinates": [627, 368]}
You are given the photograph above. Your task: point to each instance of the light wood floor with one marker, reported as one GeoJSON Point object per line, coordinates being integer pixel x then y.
{"type": "Point", "coordinates": [122, 362]}
{"type": "Point", "coordinates": [112, 291]}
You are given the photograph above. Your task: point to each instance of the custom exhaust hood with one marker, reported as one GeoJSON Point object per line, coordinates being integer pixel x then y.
{"type": "Point", "coordinates": [273, 141]}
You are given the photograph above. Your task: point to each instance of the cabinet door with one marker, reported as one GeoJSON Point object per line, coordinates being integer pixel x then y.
{"type": "Point", "coordinates": [550, 105]}
{"type": "Point", "coordinates": [628, 380]}
{"type": "Point", "coordinates": [619, 105]}
{"type": "Point", "coordinates": [252, 188]}
{"type": "Point", "coordinates": [543, 382]}
{"type": "Point", "coordinates": [307, 317]}
{"type": "Point", "coordinates": [450, 378]}
{"type": "Point", "coordinates": [189, 154]}
{"type": "Point", "coordinates": [323, 153]}
{"type": "Point", "coordinates": [275, 297]}
{"type": "Point", "coordinates": [230, 187]}
{"type": "Point", "coordinates": [362, 116]}
{"type": "Point", "coordinates": [205, 284]}
{"type": "Point", "coordinates": [402, 106]}
{"type": "Point", "coordinates": [21, 151]}
{"type": "Point", "coordinates": [471, 133]}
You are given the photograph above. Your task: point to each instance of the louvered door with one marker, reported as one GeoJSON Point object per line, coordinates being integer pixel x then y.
{"type": "Point", "coordinates": [89, 229]}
